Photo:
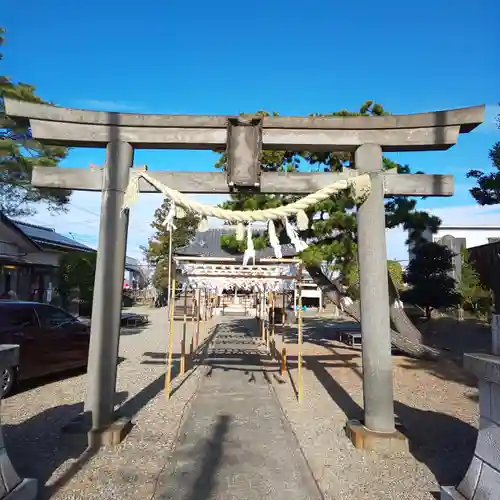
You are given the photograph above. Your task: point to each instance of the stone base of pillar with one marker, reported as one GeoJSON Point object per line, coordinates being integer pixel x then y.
{"type": "Point", "coordinates": [112, 435]}
{"type": "Point", "coordinates": [450, 493]}
{"type": "Point", "coordinates": [382, 442]}
{"type": "Point", "coordinates": [482, 479]}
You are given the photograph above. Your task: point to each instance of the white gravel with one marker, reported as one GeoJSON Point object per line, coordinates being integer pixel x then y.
{"type": "Point", "coordinates": [434, 403]}
{"type": "Point", "coordinates": [32, 422]}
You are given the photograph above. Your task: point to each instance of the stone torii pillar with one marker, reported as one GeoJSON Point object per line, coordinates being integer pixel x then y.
{"type": "Point", "coordinates": [374, 295]}
{"type": "Point", "coordinates": [244, 139]}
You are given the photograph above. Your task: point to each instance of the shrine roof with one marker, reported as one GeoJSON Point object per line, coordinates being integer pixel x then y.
{"type": "Point", "coordinates": [208, 244]}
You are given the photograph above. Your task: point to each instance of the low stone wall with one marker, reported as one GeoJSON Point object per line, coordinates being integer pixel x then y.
{"type": "Point", "coordinates": [12, 487]}
{"type": "Point", "coordinates": [482, 479]}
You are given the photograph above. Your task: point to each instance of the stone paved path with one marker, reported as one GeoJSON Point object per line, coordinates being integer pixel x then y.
{"type": "Point", "coordinates": [235, 443]}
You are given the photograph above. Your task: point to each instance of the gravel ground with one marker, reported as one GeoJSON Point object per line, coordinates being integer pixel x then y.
{"type": "Point", "coordinates": [435, 402]}
{"type": "Point", "coordinates": [33, 418]}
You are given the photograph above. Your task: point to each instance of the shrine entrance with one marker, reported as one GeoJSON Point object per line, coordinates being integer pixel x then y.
{"type": "Point", "coordinates": [244, 138]}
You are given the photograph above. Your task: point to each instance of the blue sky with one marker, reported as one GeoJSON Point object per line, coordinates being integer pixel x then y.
{"type": "Point", "coordinates": [292, 57]}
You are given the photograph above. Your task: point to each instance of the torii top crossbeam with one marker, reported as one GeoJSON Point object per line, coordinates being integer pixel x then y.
{"type": "Point", "coordinates": [244, 137]}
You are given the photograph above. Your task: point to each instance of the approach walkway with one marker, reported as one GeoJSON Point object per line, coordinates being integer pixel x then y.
{"type": "Point", "coordinates": [235, 442]}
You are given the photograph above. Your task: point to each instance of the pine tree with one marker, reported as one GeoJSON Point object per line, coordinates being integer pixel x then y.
{"type": "Point", "coordinates": [487, 191]}
{"type": "Point", "coordinates": [332, 232]}
{"type": "Point", "coordinates": [158, 246]}
{"type": "Point", "coordinates": [430, 280]}
{"type": "Point", "coordinates": [469, 286]}
{"type": "Point", "coordinates": [19, 153]}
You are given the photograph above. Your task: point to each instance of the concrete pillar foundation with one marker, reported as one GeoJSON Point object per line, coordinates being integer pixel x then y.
{"type": "Point", "coordinates": [385, 443]}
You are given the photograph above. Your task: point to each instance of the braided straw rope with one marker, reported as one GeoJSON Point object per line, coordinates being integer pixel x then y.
{"type": "Point", "coordinates": [361, 185]}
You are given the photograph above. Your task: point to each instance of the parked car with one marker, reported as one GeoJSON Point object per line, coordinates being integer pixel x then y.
{"type": "Point", "coordinates": [50, 340]}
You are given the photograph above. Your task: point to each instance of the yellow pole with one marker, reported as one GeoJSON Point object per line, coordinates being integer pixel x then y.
{"type": "Point", "coordinates": [168, 375]}
{"type": "Point", "coordinates": [299, 337]}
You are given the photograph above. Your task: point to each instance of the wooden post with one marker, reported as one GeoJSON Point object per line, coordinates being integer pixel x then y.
{"type": "Point", "coordinates": [263, 314]}
{"type": "Point", "coordinates": [273, 323]}
{"type": "Point", "coordinates": [198, 316]}
{"type": "Point", "coordinates": [168, 376]}
{"type": "Point", "coordinates": [184, 335]}
{"type": "Point", "coordinates": [204, 331]}
{"type": "Point", "coordinates": [283, 361]}
{"type": "Point", "coordinates": [193, 330]}
{"type": "Point", "coordinates": [268, 325]}
{"type": "Point", "coordinates": [283, 312]}
{"type": "Point", "coordinates": [299, 338]}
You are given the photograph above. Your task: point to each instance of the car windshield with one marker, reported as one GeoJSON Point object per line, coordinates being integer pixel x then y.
{"type": "Point", "coordinates": [16, 317]}
{"type": "Point", "coordinates": [53, 317]}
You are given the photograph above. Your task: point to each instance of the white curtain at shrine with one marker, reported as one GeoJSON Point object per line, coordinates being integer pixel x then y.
{"type": "Point", "coordinates": [217, 277]}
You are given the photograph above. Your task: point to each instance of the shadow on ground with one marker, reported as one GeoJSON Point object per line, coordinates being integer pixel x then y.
{"type": "Point", "coordinates": [39, 459]}
{"type": "Point", "coordinates": [455, 337]}
{"type": "Point", "coordinates": [27, 385]}
{"type": "Point", "coordinates": [445, 444]}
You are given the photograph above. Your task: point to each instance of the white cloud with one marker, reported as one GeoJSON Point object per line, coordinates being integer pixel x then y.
{"type": "Point", "coordinates": [81, 222]}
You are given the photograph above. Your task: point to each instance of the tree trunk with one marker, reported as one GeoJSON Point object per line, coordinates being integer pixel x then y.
{"type": "Point", "coordinates": [407, 339]}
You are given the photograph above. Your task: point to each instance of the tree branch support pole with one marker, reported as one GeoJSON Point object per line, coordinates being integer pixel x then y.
{"type": "Point", "coordinates": [107, 300]}
{"type": "Point", "coordinates": [168, 375]}
{"type": "Point", "coordinates": [300, 388]}
{"type": "Point", "coordinates": [378, 430]}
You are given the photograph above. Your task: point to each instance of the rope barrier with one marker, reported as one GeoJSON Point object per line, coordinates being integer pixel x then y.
{"type": "Point", "coordinates": [360, 184]}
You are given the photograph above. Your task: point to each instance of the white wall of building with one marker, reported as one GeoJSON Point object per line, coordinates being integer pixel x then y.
{"type": "Point", "coordinates": [474, 236]}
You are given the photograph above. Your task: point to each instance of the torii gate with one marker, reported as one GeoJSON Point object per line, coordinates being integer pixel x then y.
{"type": "Point", "coordinates": [244, 139]}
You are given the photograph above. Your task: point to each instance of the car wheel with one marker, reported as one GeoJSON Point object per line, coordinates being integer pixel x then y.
{"type": "Point", "coordinates": [8, 381]}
